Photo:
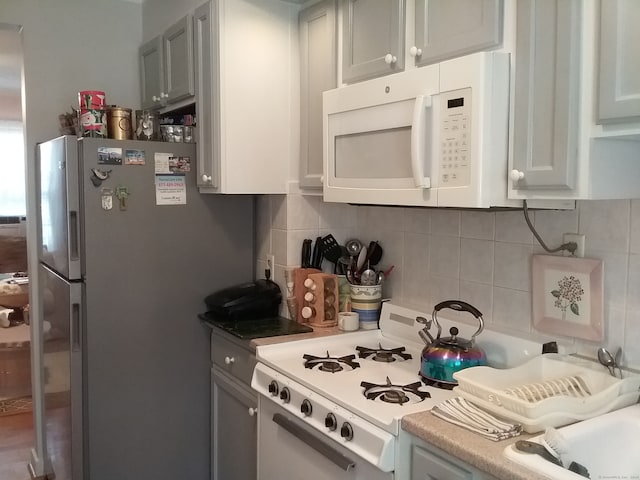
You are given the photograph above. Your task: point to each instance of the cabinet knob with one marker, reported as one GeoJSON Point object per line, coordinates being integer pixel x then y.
{"type": "Point", "coordinates": [206, 178]}
{"type": "Point", "coordinates": [155, 99]}
{"type": "Point", "coordinates": [415, 51]}
{"type": "Point", "coordinates": [229, 360]}
{"type": "Point", "coordinates": [252, 411]}
{"type": "Point", "coordinates": [164, 95]}
{"type": "Point", "coordinates": [516, 175]}
{"type": "Point", "coordinates": [390, 59]}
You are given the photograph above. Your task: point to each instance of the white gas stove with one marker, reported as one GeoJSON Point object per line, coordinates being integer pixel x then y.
{"type": "Point", "coordinates": [344, 397]}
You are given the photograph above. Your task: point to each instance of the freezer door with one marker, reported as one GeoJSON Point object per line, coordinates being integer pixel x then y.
{"type": "Point", "coordinates": [59, 206]}
{"type": "Point", "coordinates": [61, 306]}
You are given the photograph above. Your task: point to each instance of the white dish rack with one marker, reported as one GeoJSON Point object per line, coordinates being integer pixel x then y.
{"type": "Point", "coordinates": [550, 390]}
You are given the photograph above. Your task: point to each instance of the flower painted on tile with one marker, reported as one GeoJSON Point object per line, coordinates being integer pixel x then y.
{"type": "Point", "coordinates": [568, 294]}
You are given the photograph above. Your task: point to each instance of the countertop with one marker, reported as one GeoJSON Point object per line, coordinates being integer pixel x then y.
{"type": "Point", "coordinates": [483, 454]}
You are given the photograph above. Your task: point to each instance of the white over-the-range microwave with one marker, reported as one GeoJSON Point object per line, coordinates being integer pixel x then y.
{"type": "Point", "coordinates": [431, 136]}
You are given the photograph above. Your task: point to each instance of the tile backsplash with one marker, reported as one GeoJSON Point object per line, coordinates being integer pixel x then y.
{"type": "Point", "coordinates": [482, 257]}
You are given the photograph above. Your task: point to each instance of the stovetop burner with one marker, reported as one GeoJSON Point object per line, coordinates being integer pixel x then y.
{"type": "Point", "coordinates": [383, 354]}
{"type": "Point", "coordinates": [329, 363]}
{"type": "Point", "coordinates": [398, 394]}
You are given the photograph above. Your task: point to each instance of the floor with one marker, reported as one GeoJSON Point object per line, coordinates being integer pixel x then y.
{"type": "Point", "coordinates": [17, 439]}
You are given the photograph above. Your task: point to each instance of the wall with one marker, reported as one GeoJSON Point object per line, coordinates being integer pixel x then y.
{"type": "Point", "coordinates": [479, 256]}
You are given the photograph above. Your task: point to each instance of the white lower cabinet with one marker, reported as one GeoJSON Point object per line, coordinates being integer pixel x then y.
{"type": "Point", "coordinates": [234, 408]}
{"type": "Point", "coordinates": [431, 463]}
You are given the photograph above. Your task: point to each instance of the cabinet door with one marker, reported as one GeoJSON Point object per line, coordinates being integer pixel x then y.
{"type": "Point", "coordinates": [451, 28]}
{"type": "Point", "coordinates": [547, 91]}
{"type": "Point", "coordinates": [151, 73]}
{"type": "Point", "coordinates": [178, 59]}
{"type": "Point", "coordinates": [233, 429]}
{"type": "Point", "coordinates": [372, 38]}
{"type": "Point", "coordinates": [619, 95]}
{"type": "Point", "coordinates": [206, 90]}
{"type": "Point", "coordinates": [317, 74]}
{"type": "Point", "coordinates": [426, 465]}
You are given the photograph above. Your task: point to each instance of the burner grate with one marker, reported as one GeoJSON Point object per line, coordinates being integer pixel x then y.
{"type": "Point", "coordinates": [390, 393]}
{"type": "Point", "coordinates": [383, 354]}
{"type": "Point", "coordinates": [329, 363]}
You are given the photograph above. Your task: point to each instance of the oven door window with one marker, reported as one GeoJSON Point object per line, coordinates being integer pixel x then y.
{"type": "Point", "coordinates": [371, 147]}
{"type": "Point", "coordinates": [282, 454]}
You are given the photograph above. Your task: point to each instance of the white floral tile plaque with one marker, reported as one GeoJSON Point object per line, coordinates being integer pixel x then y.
{"type": "Point", "coordinates": [567, 296]}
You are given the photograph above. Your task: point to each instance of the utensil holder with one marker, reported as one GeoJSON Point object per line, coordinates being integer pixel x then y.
{"type": "Point", "coordinates": [367, 301]}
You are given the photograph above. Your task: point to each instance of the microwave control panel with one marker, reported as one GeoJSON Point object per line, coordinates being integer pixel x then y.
{"type": "Point", "coordinates": [455, 138]}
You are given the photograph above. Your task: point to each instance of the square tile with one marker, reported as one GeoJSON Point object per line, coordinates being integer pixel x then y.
{"type": "Point", "coordinates": [512, 266]}
{"type": "Point", "coordinates": [480, 225]}
{"type": "Point", "coordinates": [606, 224]}
{"type": "Point", "coordinates": [444, 255]}
{"type": "Point", "coordinates": [445, 222]}
{"type": "Point", "coordinates": [476, 260]}
{"type": "Point", "coordinates": [512, 227]}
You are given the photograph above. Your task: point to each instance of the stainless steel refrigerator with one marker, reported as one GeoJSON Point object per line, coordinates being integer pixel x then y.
{"type": "Point", "coordinates": [128, 251]}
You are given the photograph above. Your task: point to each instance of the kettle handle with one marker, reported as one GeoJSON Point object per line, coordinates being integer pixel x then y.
{"type": "Point", "coordinates": [459, 306]}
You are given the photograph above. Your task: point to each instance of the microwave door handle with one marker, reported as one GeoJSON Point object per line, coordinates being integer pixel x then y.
{"type": "Point", "coordinates": [418, 140]}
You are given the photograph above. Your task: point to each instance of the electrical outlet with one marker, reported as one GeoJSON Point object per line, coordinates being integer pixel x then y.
{"type": "Point", "coordinates": [579, 238]}
{"type": "Point", "coordinates": [271, 262]}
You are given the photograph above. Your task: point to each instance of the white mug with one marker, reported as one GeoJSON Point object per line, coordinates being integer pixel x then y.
{"type": "Point", "coordinates": [348, 321]}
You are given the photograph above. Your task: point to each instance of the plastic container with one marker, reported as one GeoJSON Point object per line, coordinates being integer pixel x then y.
{"type": "Point", "coordinates": [546, 384]}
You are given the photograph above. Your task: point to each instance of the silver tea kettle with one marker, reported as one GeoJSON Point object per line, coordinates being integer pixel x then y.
{"type": "Point", "coordinates": [443, 356]}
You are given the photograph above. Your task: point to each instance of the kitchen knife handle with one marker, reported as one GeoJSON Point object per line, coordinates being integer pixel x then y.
{"type": "Point", "coordinates": [306, 253]}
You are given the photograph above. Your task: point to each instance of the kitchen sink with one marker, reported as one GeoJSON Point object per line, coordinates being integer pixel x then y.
{"type": "Point", "coordinates": [606, 445]}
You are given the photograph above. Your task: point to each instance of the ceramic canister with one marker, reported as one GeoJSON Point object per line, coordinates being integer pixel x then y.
{"type": "Point", "coordinates": [366, 300]}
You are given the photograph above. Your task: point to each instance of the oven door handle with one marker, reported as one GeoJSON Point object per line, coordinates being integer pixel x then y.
{"type": "Point", "coordinates": [315, 443]}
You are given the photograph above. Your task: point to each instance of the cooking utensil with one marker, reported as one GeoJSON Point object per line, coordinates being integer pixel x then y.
{"type": "Point", "coordinates": [445, 356]}
{"type": "Point", "coordinates": [353, 247]}
{"type": "Point", "coordinates": [331, 249]}
{"type": "Point", "coordinates": [316, 258]}
{"type": "Point", "coordinates": [374, 253]}
{"type": "Point", "coordinates": [305, 261]}
{"type": "Point", "coordinates": [380, 278]}
{"type": "Point", "coordinates": [368, 277]}
{"type": "Point", "coordinates": [362, 258]}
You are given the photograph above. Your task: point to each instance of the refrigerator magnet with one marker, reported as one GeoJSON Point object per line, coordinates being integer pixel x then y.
{"type": "Point", "coordinates": [106, 198]}
{"type": "Point", "coordinates": [109, 156]}
{"type": "Point", "coordinates": [134, 157]}
{"type": "Point", "coordinates": [98, 176]}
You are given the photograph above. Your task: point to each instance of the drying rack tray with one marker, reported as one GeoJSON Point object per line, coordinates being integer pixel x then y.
{"type": "Point", "coordinates": [546, 384]}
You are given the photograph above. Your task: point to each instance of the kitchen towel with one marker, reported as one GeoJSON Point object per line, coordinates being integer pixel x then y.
{"type": "Point", "coordinates": [466, 415]}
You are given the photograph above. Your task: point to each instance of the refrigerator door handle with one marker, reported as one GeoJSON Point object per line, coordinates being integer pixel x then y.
{"type": "Point", "coordinates": [74, 236]}
{"type": "Point", "coordinates": [76, 328]}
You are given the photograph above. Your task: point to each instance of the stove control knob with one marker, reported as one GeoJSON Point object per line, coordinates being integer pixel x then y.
{"type": "Point", "coordinates": [330, 421]}
{"type": "Point", "coordinates": [306, 407]}
{"type": "Point", "coordinates": [273, 388]}
{"type": "Point", "coordinates": [346, 431]}
{"type": "Point", "coordinates": [285, 395]}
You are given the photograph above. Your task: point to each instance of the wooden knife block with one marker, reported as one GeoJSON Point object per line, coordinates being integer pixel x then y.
{"type": "Point", "coordinates": [325, 302]}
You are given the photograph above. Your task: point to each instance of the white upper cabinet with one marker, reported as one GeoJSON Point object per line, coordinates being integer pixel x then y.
{"type": "Point", "coordinates": [447, 29]}
{"type": "Point", "coordinates": [166, 66]}
{"type": "Point", "coordinates": [245, 80]}
{"type": "Point", "coordinates": [318, 64]}
{"type": "Point", "coordinates": [384, 37]}
{"type": "Point", "coordinates": [575, 133]}
{"type": "Point", "coordinates": [372, 38]}
{"type": "Point", "coordinates": [619, 62]}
